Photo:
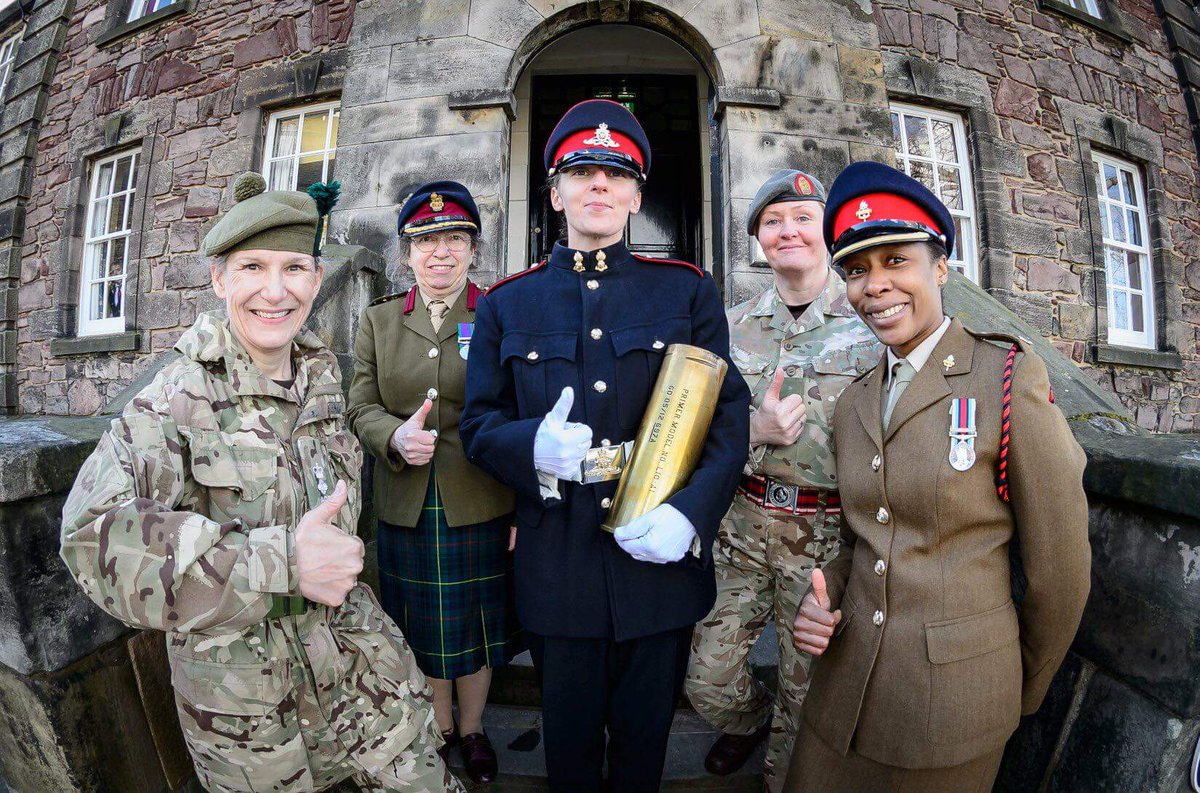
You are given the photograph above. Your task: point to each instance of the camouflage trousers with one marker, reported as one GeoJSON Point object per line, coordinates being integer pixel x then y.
{"type": "Point", "coordinates": [764, 561]}
{"type": "Point", "coordinates": [417, 768]}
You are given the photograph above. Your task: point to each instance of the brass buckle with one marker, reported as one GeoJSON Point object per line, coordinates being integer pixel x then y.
{"type": "Point", "coordinates": [605, 463]}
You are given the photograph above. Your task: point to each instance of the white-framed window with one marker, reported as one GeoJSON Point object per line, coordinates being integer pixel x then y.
{"type": "Point", "coordinates": [931, 147]}
{"type": "Point", "coordinates": [106, 245]}
{"type": "Point", "coordinates": [1128, 274]}
{"type": "Point", "coordinates": [301, 146]}
{"type": "Point", "coordinates": [1089, 7]}
{"type": "Point", "coordinates": [140, 8]}
{"type": "Point", "coordinates": [8, 57]}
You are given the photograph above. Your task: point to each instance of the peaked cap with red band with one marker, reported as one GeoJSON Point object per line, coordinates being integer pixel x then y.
{"type": "Point", "coordinates": [438, 206]}
{"type": "Point", "coordinates": [874, 204]}
{"type": "Point", "coordinates": [598, 132]}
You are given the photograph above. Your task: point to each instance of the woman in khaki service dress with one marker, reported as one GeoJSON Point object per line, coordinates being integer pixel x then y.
{"type": "Point", "coordinates": [947, 453]}
{"type": "Point", "coordinates": [443, 540]}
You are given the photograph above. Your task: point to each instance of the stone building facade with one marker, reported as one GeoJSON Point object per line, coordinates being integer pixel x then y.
{"type": "Point", "coordinates": [1059, 128]}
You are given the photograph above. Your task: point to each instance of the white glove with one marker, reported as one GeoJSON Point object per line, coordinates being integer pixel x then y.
{"type": "Point", "coordinates": [664, 534]}
{"type": "Point", "coordinates": [560, 445]}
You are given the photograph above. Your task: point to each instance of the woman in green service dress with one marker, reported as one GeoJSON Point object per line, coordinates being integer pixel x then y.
{"type": "Point", "coordinates": [951, 460]}
{"type": "Point", "coordinates": [443, 541]}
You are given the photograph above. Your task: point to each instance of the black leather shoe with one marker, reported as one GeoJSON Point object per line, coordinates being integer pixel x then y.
{"type": "Point", "coordinates": [451, 739]}
{"type": "Point", "coordinates": [730, 752]}
{"type": "Point", "coordinates": [479, 757]}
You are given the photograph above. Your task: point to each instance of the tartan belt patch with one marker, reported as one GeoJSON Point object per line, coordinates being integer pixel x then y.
{"type": "Point", "coordinates": [771, 493]}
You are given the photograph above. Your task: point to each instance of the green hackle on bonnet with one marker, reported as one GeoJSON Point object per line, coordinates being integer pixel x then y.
{"type": "Point", "coordinates": [326, 195]}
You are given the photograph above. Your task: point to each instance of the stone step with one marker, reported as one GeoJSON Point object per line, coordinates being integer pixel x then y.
{"type": "Point", "coordinates": [515, 732]}
{"type": "Point", "coordinates": [516, 684]}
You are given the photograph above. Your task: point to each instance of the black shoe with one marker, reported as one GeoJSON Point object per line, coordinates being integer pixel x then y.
{"type": "Point", "coordinates": [479, 757]}
{"type": "Point", "coordinates": [730, 752]}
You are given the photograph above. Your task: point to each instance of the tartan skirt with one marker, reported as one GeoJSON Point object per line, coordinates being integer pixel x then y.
{"type": "Point", "coordinates": [450, 590]}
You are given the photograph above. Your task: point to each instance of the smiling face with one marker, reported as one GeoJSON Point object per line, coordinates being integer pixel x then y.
{"type": "Point", "coordinates": [791, 237]}
{"type": "Point", "coordinates": [896, 289]}
{"type": "Point", "coordinates": [597, 201]}
{"type": "Point", "coordinates": [268, 296]}
{"type": "Point", "coordinates": [440, 260]}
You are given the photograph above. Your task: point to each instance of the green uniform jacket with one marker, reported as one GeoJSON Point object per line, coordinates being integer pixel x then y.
{"type": "Point", "coordinates": [181, 521]}
{"type": "Point", "coordinates": [400, 362]}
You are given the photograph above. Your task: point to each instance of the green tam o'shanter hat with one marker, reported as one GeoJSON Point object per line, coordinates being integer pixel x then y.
{"type": "Point", "coordinates": [272, 220]}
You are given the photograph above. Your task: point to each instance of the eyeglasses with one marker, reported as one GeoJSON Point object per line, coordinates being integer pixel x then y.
{"type": "Point", "coordinates": [456, 242]}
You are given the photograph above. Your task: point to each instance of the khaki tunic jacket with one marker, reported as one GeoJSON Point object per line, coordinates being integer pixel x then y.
{"type": "Point", "coordinates": [399, 359]}
{"type": "Point", "coordinates": [932, 664]}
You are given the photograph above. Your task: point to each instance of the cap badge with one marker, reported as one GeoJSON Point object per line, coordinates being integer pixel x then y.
{"type": "Point", "coordinates": [436, 202]}
{"type": "Point", "coordinates": [864, 210]}
{"type": "Point", "coordinates": [803, 186]}
{"type": "Point", "coordinates": [602, 137]}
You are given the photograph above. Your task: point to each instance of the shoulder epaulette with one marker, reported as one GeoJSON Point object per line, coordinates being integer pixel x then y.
{"type": "Point", "coordinates": [676, 262]}
{"type": "Point", "coordinates": [515, 276]}
{"type": "Point", "coordinates": [386, 298]}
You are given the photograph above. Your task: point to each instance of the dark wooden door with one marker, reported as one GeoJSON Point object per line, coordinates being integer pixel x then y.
{"type": "Point", "coordinates": [666, 105]}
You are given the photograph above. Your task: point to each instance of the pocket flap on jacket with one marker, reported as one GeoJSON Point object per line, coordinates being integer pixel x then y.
{"type": "Point", "coordinates": [653, 336]}
{"type": "Point", "coordinates": [538, 347]}
{"type": "Point", "coordinates": [967, 637]}
{"type": "Point", "coordinates": [231, 689]}
{"type": "Point", "coordinates": [848, 360]}
{"type": "Point", "coordinates": [218, 463]}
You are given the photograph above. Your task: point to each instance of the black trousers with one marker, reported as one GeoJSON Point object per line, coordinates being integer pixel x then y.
{"type": "Point", "coordinates": [629, 689]}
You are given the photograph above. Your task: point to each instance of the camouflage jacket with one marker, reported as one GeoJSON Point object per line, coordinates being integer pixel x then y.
{"type": "Point", "coordinates": [822, 351]}
{"type": "Point", "coordinates": [181, 521]}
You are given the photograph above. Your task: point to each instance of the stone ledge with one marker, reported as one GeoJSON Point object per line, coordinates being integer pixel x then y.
{"type": "Point", "coordinates": [747, 96]}
{"type": "Point", "coordinates": [1131, 356]}
{"type": "Point", "coordinates": [88, 345]}
{"type": "Point", "coordinates": [1124, 462]}
{"type": "Point", "coordinates": [123, 29]}
{"type": "Point", "coordinates": [1114, 29]}
{"type": "Point", "coordinates": [42, 455]}
{"type": "Point", "coordinates": [482, 99]}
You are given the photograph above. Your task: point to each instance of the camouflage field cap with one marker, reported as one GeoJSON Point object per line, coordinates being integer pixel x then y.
{"type": "Point", "coordinates": [261, 219]}
{"type": "Point", "coordinates": [785, 185]}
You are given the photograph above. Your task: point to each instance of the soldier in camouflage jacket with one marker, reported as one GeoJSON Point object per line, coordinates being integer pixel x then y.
{"type": "Point", "coordinates": [185, 519]}
{"type": "Point", "coordinates": [785, 516]}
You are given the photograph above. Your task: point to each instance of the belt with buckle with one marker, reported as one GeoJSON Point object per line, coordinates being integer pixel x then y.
{"type": "Point", "coordinates": [771, 493]}
{"type": "Point", "coordinates": [288, 606]}
{"type": "Point", "coordinates": [605, 462]}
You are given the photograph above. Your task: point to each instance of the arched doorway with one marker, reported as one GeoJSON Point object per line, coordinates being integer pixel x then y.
{"type": "Point", "coordinates": [667, 88]}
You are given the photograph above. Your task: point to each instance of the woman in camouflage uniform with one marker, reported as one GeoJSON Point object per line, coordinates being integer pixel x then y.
{"type": "Point", "coordinates": [221, 509]}
{"type": "Point", "coordinates": [798, 344]}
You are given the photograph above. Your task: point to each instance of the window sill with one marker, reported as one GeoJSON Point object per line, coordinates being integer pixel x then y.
{"type": "Point", "coordinates": [1114, 29]}
{"type": "Point", "coordinates": [124, 29]}
{"type": "Point", "coordinates": [90, 345]}
{"type": "Point", "coordinates": [1132, 356]}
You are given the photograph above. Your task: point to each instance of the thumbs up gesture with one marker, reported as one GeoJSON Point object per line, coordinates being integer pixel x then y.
{"type": "Point", "coordinates": [778, 421]}
{"type": "Point", "coordinates": [814, 623]}
{"type": "Point", "coordinates": [412, 441]}
{"type": "Point", "coordinates": [560, 445]}
{"type": "Point", "coordinates": [328, 560]}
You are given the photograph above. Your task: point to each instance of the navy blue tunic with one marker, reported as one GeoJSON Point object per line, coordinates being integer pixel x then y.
{"type": "Point", "coordinates": [572, 578]}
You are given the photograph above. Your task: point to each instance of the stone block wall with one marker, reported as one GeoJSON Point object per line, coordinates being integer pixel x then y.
{"type": "Point", "coordinates": [1041, 89]}
{"type": "Point", "coordinates": [191, 93]}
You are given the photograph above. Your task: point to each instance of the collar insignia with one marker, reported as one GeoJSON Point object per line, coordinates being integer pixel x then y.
{"type": "Point", "coordinates": [602, 137]}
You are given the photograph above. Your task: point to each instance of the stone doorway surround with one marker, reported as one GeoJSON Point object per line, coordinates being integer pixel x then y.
{"type": "Point", "coordinates": [432, 91]}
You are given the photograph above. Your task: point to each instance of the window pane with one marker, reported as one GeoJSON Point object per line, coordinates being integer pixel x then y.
{"type": "Point", "coordinates": [1118, 226]}
{"type": "Point", "coordinates": [1138, 323]}
{"type": "Point", "coordinates": [896, 141]}
{"type": "Point", "coordinates": [123, 170]}
{"type": "Point", "coordinates": [1134, 267]}
{"type": "Point", "coordinates": [310, 170]}
{"type": "Point", "coordinates": [337, 117]}
{"type": "Point", "coordinates": [1110, 183]}
{"type": "Point", "coordinates": [116, 256]}
{"type": "Point", "coordinates": [1117, 275]}
{"type": "Point", "coordinates": [1135, 227]}
{"type": "Point", "coordinates": [316, 125]}
{"type": "Point", "coordinates": [1104, 220]}
{"type": "Point", "coordinates": [99, 218]}
{"type": "Point", "coordinates": [95, 306]}
{"type": "Point", "coordinates": [103, 180]}
{"type": "Point", "coordinates": [943, 141]}
{"type": "Point", "coordinates": [951, 189]}
{"type": "Point", "coordinates": [113, 299]}
{"type": "Point", "coordinates": [281, 175]}
{"type": "Point", "coordinates": [918, 135]}
{"type": "Point", "coordinates": [1120, 319]}
{"type": "Point", "coordinates": [285, 137]}
{"type": "Point", "coordinates": [97, 255]}
{"type": "Point", "coordinates": [116, 213]}
{"type": "Point", "coordinates": [923, 173]}
{"type": "Point", "coordinates": [1127, 184]}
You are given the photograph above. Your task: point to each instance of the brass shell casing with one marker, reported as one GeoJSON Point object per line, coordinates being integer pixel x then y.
{"type": "Point", "coordinates": [672, 433]}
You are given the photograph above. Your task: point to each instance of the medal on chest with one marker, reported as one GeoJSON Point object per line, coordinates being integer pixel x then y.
{"type": "Point", "coordinates": [464, 338]}
{"type": "Point", "coordinates": [962, 433]}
